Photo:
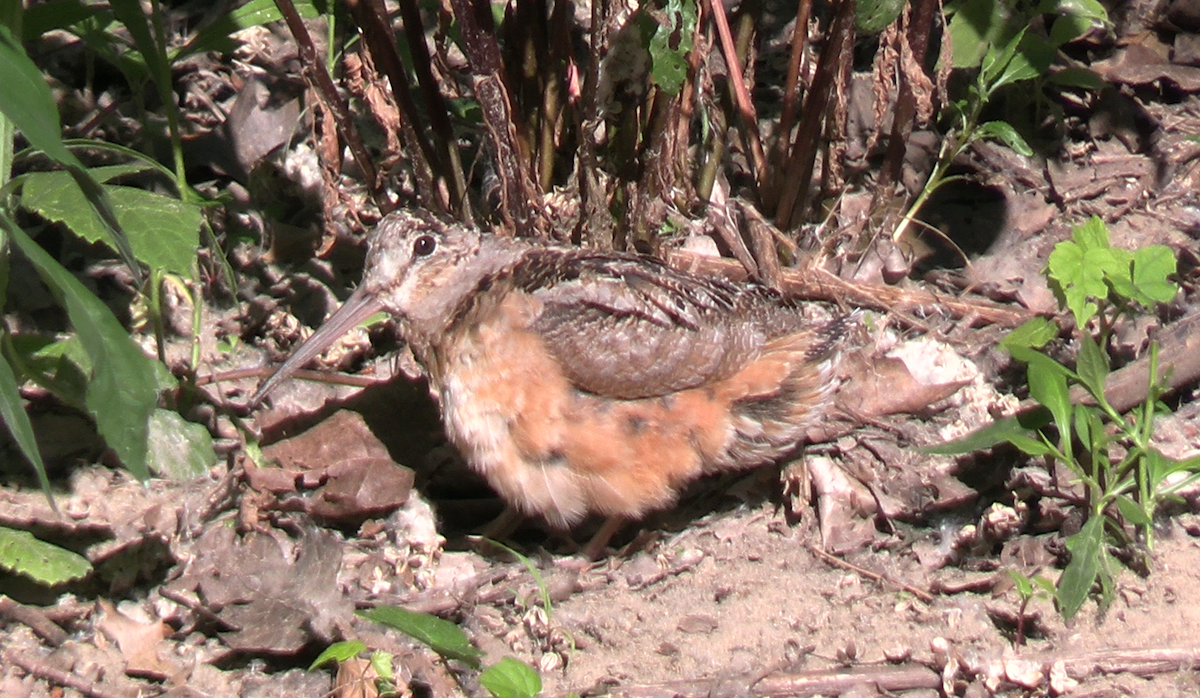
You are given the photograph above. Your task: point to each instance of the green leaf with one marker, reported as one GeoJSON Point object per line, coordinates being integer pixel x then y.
{"type": "Point", "coordinates": [1022, 354]}
{"type": "Point", "coordinates": [163, 232]}
{"type": "Point", "coordinates": [1085, 271]}
{"type": "Point", "coordinates": [873, 16]}
{"type": "Point", "coordinates": [975, 27]}
{"type": "Point", "coordinates": [1030, 446]}
{"type": "Point", "coordinates": [1092, 234]}
{"type": "Point", "coordinates": [57, 14]}
{"type": "Point", "coordinates": [442, 636]}
{"type": "Point", "coordinates": [25, 99]}
{"type": "Point", "coordinates": [1117, 265]}
{"type": "Point", "coordinates": [1159, 467]}
{"type": "Point", "coordinates": [338, 652]}
{"type": "Point", "coordinates": [1078, 281]}
{"type": "Point", "coordinates": [1078, 77]}
{"type": "Point", "coordinates": [1088, 9]}
{"type": "Point", "coordinates": [511, 678]}
{"type": "Point", "coordinates": [1048, 385]}
{"type": "Point", "coordinates": [62, 366]}
{"type": "Point", "coordinates": [1092, 365]}
{"type": "Point", "coordinates": [1023, 584]}
{"type": "Point", "coordinates": [1003, 131]}
{"type": "Point", "coordinates": [178, 449]}
{"type": "Point", "coordinates": [1068, 28]}
{"type": "Point", "coordinates": [122, 392]}
{"type": "Point", "coordinates": [1083, 427]}
{"type": "Point", "coordinates": [670, 45]}
{"type": "Point", "coordinates": [45, 563]}
{"type": "Point", "coordinates": [383, 663]}
{"type": "Point", "coordinates": [1151, 267]}
{"type": "Point", "coordinates": [1044, 584]}
{"type": "Point", "coordinates": [998, 58]}
{"type": "Point", "coordinates": [137, 23]}
{"type": "Point", "coordinates": [998, 432]}
{"type": "Point", "coordinates": [107, 173]}
{"type": "Point", "coordinates": [1033, 334]}
{"type": "Point", "coordinates": [218, 36]}
{"type": "Point", "coordinates": [12, 413]}
{"type": "Point", "coordinates": [1077, 579]}
{"type": "Point", "coordinates": [1132, 511]}
{"type": "Point", "coordinates": [1024, 57]}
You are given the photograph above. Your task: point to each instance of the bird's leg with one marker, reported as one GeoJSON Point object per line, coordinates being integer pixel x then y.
{"type": "Point", "coordinates": [596, 546]}
{"type": "Point", "coordinates": [503, 526]}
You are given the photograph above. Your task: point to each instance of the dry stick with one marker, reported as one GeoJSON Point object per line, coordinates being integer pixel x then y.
{"type": "Point", "coordinates": [883, 579]}
{"type": "Point", "coordinates": [716, 139]}
{"type": "Point", "coordinates": [520, 199]}
{"type": "Point", "coordinates": [53, 675]}
{"type": "Point", "coordinates": [819, 284]}
{"type": "Point", "coordinates": [553, 47]}
{"type": "Point", "coordinates": [652, 193]}
{"type": "Point", "coordinates": [34, 619]}
{"type": "Point", "coordinates": [797, 179]}
{"type": "Point", "coordinates": [1140, 662]}
{"type": "Point", "coordinates": [377, 36]}
{"type": "Point", "coordinates": [303, 374]}
{"type": "Point", "coordinates": [1179, 352]}
{"type": "Point", "coordinates": [595, 227]}
{"type": "Point", "coordinates": [802, 683]}
{"type": "Point", "coordinates": [435, 105]}
{"type": "Point", "coordinates": [749, 119]}
{"type": "Point", "coordinates": [921, 20]}
{"type": "Point", "coordinates": [314, 70]}
{"type": "Point", "coordinates": [911, 676]}
{"type": "Point", "coordinates": [687, 104]}
{"type": "Point", "coordinates": [790, 99]}
{"type": "Point", "coordinates": [814, 683]}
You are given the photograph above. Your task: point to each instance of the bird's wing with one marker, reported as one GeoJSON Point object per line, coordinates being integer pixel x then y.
{"type": "Point", "coordinates": [629, 327]}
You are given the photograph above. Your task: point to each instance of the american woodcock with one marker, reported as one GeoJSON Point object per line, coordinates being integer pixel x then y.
{"type": "Point", "coordinates": [578, 381]}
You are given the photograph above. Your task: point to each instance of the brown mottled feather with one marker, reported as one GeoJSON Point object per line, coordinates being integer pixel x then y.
{"type": "Point", "coordinates": [577, 381]}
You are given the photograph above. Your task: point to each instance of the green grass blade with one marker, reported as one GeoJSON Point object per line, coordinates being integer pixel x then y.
{"type": "Point", "coordinates": [12, 411]}
{"type": "Point", "coordinates": [122, 392]}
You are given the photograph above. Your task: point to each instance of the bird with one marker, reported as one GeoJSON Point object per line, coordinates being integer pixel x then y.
{"type": "Point", "coordinates": [579, 381]}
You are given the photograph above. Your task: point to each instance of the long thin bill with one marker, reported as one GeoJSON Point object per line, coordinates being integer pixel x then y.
{"type": "Point", "coordinates": [357, 308]}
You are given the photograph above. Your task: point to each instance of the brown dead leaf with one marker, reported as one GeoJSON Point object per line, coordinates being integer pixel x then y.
{"type": "Point", "coordinates": [139, 642]}
{"type": "Point", "coordinates": [355, 679]}
{"type": "Point", "coordinates": [1140, 65]}
{"type": "Point", "coordinates": [845, 505]}
{"type": "Point", "coordinates": [878, 386]}
{"type": "Point", "coordinates": [276, 594]}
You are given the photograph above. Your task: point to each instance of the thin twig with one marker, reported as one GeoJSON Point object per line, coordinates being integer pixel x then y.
{"type": "Point", "coordinates": [883, 579]}
{"type": "Point", "coordinates": [741, 95]}
{"type": "Point", "coordinates": [314, 70]}
{"type": "Point", "coordinates": [819, 284]}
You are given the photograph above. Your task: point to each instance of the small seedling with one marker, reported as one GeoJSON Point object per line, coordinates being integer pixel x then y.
{"type": "Point", "coordinates": [989, 35]}
{"type": "Point", "coordinates": [1028, 589]}
{"type": "Point", "coordinates": [507, 678]}
{"type": "Point", "coordinates": [1123, 477]}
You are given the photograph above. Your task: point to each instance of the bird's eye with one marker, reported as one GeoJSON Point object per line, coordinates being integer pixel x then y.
{"type": "Point", "coordinates": [424, 246]}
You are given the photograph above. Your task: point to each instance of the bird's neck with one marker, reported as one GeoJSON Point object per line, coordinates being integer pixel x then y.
{"type": "Point", "coordinates": [479, 284]}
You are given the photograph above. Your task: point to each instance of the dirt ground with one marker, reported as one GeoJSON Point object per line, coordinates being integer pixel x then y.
{"type": "Point", "coordinates": [861, 567]}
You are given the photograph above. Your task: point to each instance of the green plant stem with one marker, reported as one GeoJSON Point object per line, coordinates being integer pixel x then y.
{"type": "Point", "coordinates": [197, 318]}
{"type": "Point", "coordinates": [952, 147]}
{"type": "Point", "coordinates": [167, 95]}
{"type": "Point", "coordinates": [156, 313]}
